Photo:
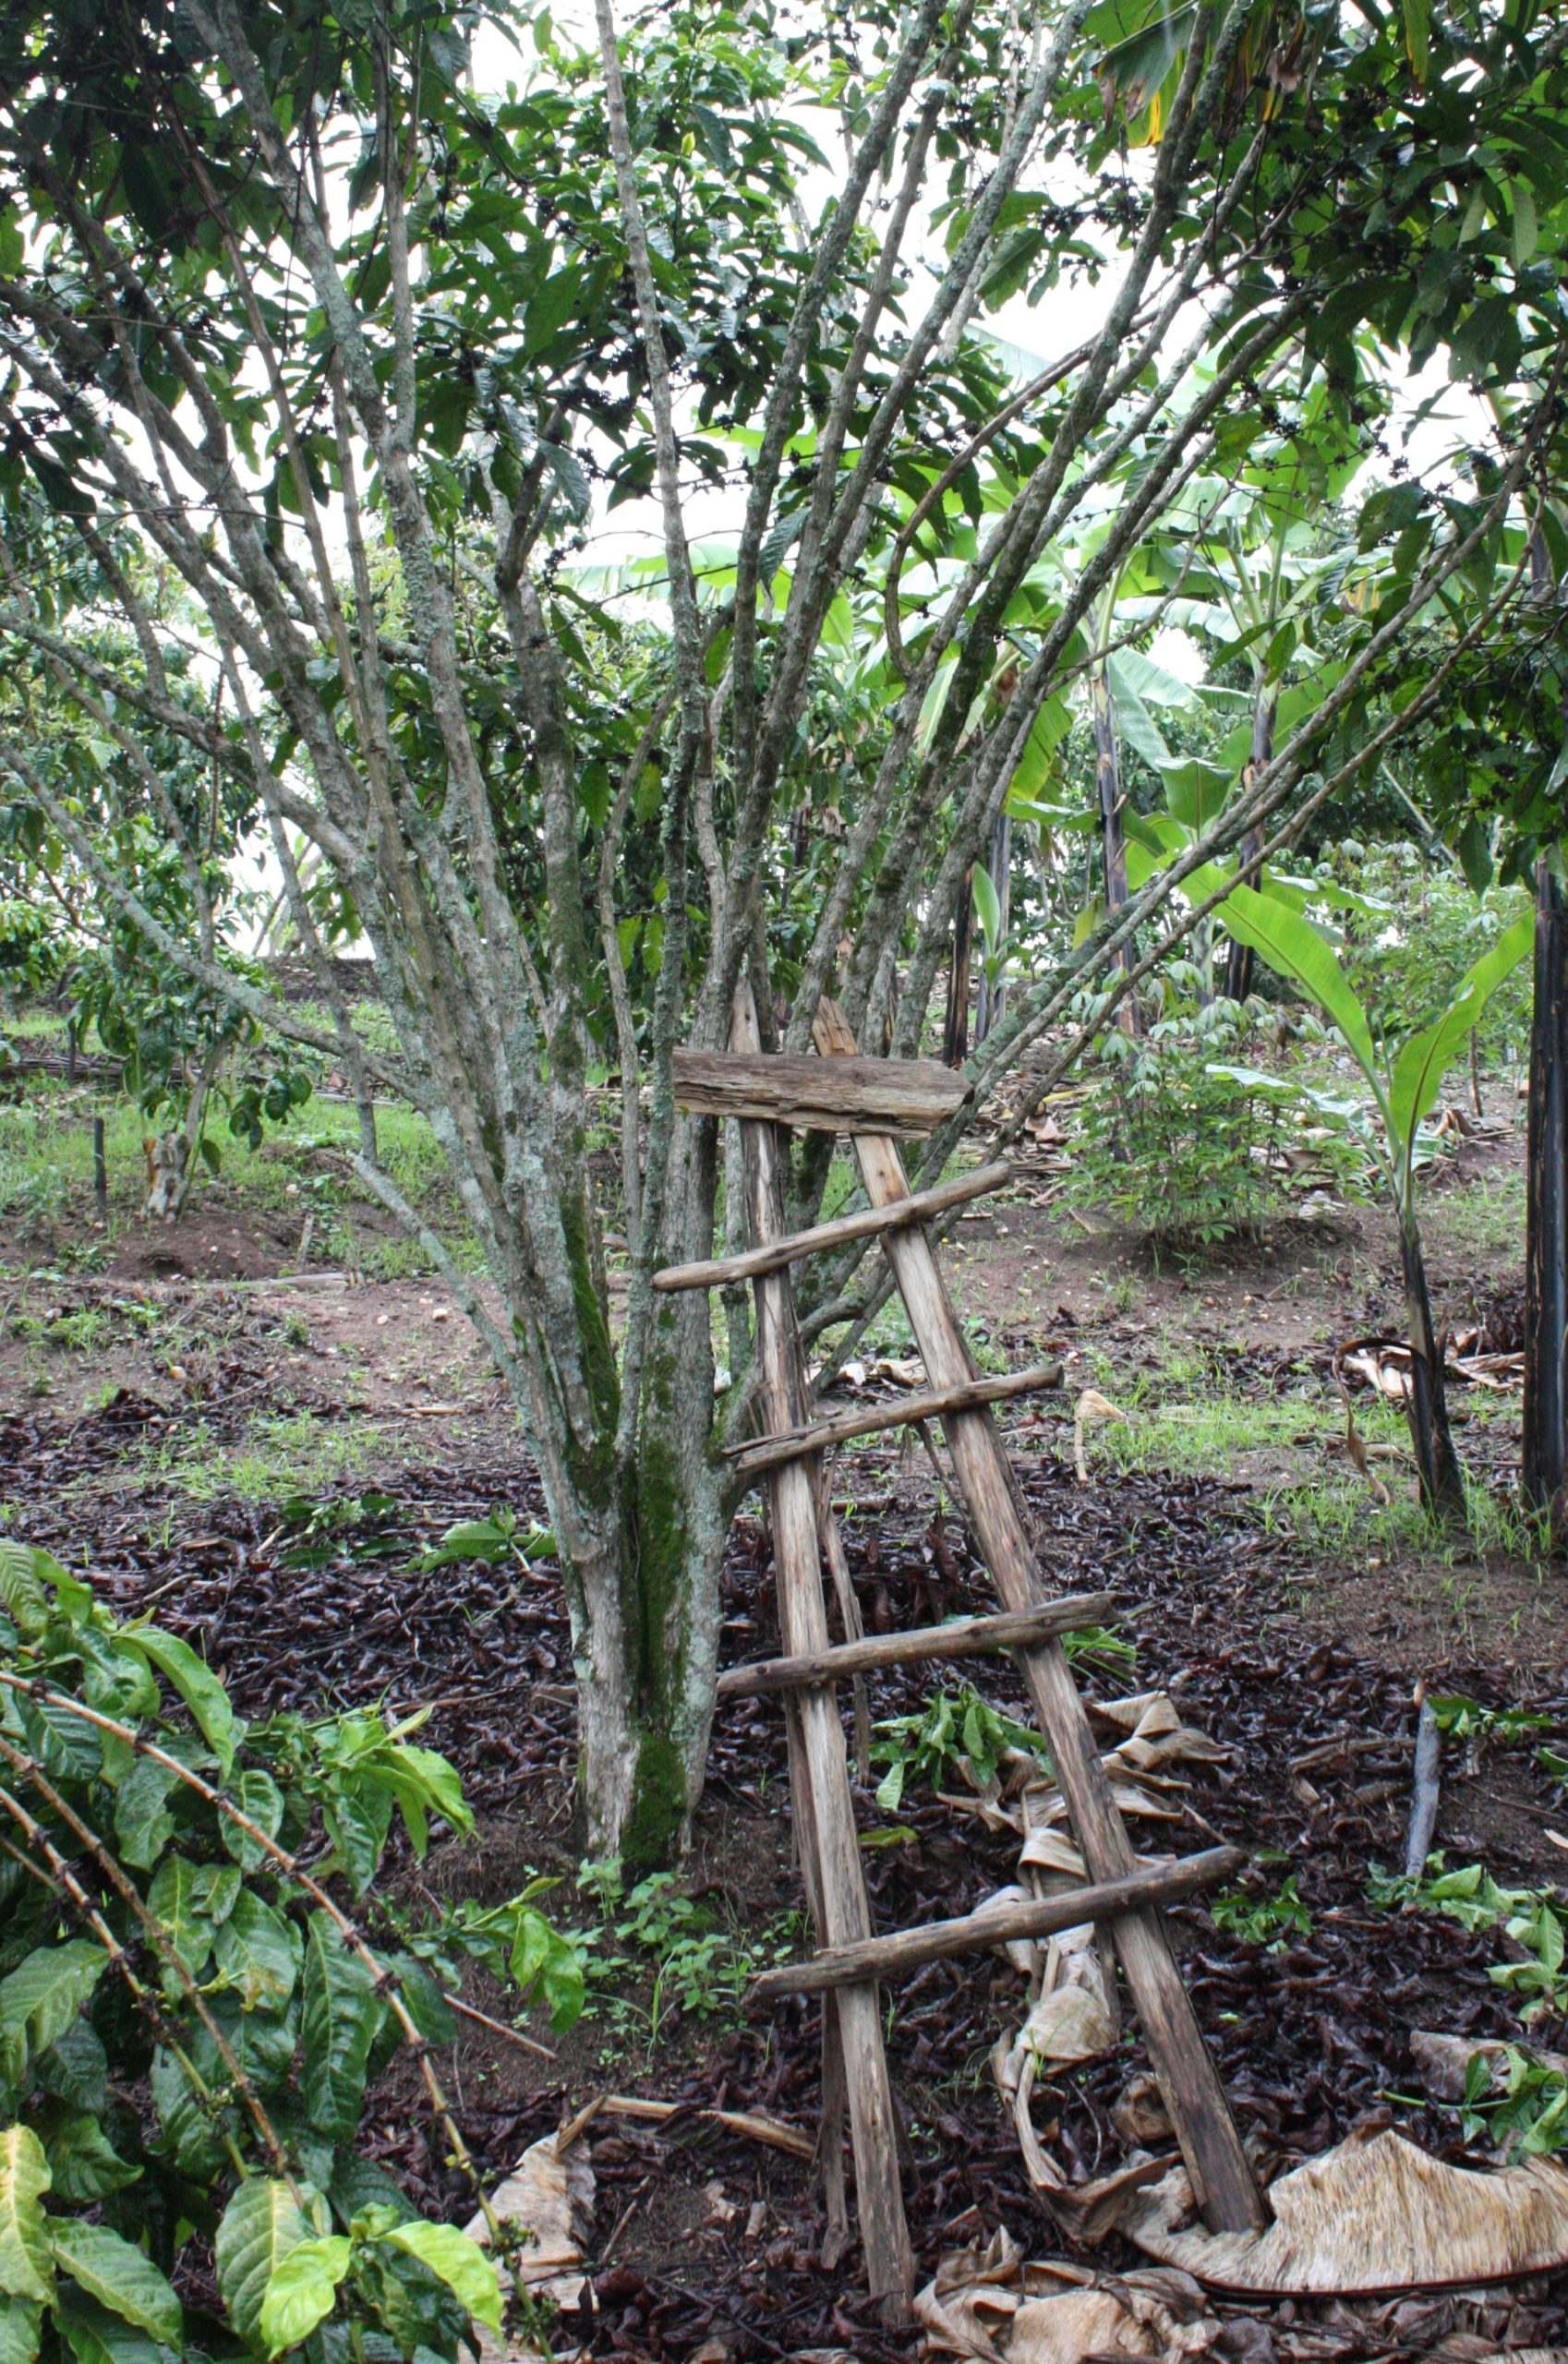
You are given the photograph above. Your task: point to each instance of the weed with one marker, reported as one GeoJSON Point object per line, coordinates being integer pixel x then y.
{"type": "Point", "coordinates": [1268, 1920]}
{"type": "Point", "coordinates": [956, 1731]}
{"type": "Point", "coordinates": [698, 1970]}
{"type": "Point", "coordinates": [286, 1454]}
{"type": "Point", "coordinates": [1529, 2117]}
{"type": "Point", "coordinates": [1458, 1718]}
{"type": "Point", "coordinates": [1470, 1896]}
{"type": "Point", "coordinates": [1096, 1646]}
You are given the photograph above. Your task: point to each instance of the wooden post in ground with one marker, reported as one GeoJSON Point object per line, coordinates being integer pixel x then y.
{"type": "Point", "coordinates": [818, 1771]}
{"type": "Point", "coordinates": [1223, 2182]}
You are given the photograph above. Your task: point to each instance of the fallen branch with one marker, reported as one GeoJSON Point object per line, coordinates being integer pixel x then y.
{"type": "Point", "coordinates": [770, 2130]}
{"type": "Point", "coordinates": [1425, 1788]}
{"type": "Point", "coordinates": [499, 2027]}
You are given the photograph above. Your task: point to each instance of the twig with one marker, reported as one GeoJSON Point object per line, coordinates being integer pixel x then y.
{"type": "Point", "coordinates": [1425, 1788]}
{"type": "Point", "coordinates": [500, 2027]}
{"type": "Point", "coordinates": [769, 2130]}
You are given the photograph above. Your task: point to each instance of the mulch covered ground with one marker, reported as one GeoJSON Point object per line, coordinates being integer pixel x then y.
{"type": "Point", "coordinates": [1312, 2039]}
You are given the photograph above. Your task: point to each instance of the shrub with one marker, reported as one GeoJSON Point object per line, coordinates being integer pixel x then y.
{"type": "Point", "coordinates": [1185, 1156]}
{"type": "Point", "coordinates": [189, 2017]}
{"type": "Point", "coordinates": [1405, 966]}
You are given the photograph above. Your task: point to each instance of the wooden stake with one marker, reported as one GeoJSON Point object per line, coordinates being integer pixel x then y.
{"type": "Point", "coordinates": [845, 1913]}
{"type": "Point", "coordinates": [911, 1949]}
{"type": "Point", "coordinates": [864, 1224]}
{"type": "Point", "coordinates": [892, 1412]}
{"type": "Point", "coordinates": [1223, 2182]}
{"type": "Point", "coordinates": [966, 1637]}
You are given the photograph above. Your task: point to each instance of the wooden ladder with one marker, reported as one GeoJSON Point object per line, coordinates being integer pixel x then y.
{"type": "Point", "coordinates": [1122, 1897]}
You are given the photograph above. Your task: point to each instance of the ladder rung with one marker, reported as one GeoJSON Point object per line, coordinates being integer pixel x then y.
{"type": "Point", "coordinates": [819, 1096]}
{"type": "Point", "coordinates": [966, 1637]}
{"type": "Point", "coordinates": [863, 1225]}
{"type": "Point", "coordinates": [765, 1453]}
{"type": "Point", "coordinates": [908, 1949]}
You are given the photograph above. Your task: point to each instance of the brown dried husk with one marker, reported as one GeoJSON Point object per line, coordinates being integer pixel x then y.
{"type": "Point", "coordinates": [1375, 2213]}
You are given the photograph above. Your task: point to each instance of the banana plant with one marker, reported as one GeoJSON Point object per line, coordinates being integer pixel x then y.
{"type": "Point", "coordinates": [1405, 1082]}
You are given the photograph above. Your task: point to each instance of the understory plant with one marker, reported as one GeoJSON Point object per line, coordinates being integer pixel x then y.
{"type": "Point", "coordinates": [1170, 1143]}
{"type": "Point", "coordinates": [956, 1732]}
{"type": "Point", "coordinates": [1531, 1918]}
{"type": "Point", "coordinates": [195, 1996]}
{"type": "Point", "coordinates": [1404, 1077]}
{"type": "Point", "coordinates": [695, 1967]}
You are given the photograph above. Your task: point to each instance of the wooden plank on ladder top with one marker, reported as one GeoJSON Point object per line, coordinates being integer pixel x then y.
{"type": "Point", "coordinates": [1223, 2180]}
{"type": "Point", "coordinates": [844, 1913]}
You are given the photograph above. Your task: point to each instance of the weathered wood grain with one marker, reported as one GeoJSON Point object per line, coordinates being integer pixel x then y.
{"type": "Point", "coordinates": [818, 1764]}
{"type": "Point", "coordinates": [896, 1955]}
{"type": "Point", "coordinates": [792, 1088]}
{"type": "Point", "coordinates": [891, 1412]}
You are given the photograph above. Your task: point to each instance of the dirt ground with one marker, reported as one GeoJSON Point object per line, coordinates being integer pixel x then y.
{"type": "Point", "coordinates": [175, 1408]}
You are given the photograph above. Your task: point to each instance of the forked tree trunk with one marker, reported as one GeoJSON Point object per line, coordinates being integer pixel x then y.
{"type": "Point", "coordinates": [1238, 964]}
{"type": "Point", "coordinates": [1113, 842]}
{"type": "Point", "coordinates": [1544, 1473]}
{"type": "Point", "coordinates": [1442, 1482]}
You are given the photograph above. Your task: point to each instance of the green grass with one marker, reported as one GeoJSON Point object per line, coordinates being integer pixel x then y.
{"type": "Point", "coordinates": [1483, 1221]}
{"type": "Point", "coordinates": [1189, 1417]}
{"type": "Point", "coordinates": [284, 1453]}
{"type": "Point", "coordinates": [46, 1161]}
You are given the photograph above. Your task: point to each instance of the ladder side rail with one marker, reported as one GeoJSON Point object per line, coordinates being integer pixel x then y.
{"type": "Point", "coordinates": [803, 1617]}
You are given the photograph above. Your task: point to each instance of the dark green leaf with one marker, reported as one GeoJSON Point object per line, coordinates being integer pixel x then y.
{"type": "Point", "coordinates": [119, 2276]}
{"type": "Point", "coordinates": [83, 2162]}
{"type": "Point", "coordinates": [196, 1685]}
{"type": "Point", "coordinates": [342, 2009]}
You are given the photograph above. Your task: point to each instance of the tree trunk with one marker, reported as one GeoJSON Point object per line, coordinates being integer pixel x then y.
{"type": "Point", "coordinates": [642, 1575]}
{"type": "Point", "coordinates": [1544, 1463]}
{"type": "Point", "coordinates": [1239, 963]}
{"type": "Point", "coordinates": [955, 1027]}
{"type": "Point", "coordinates": [992, 999]}
{"type": "Point", "coordinates": [1442, 1482]}
{"type": "Point", "coordinates": [1108, 782]}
